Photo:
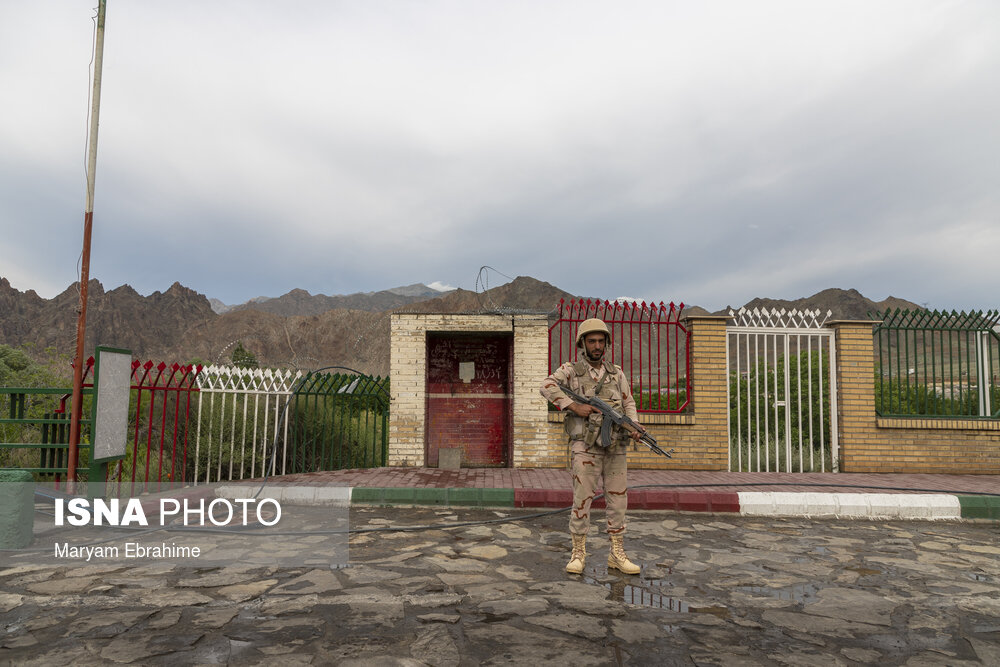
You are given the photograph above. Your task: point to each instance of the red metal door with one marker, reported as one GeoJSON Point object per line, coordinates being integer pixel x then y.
{"type": "Point", "coordinates": [468, 397]}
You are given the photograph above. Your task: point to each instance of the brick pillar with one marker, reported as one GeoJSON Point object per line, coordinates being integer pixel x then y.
{"type": "Point", "coordinates": [530, 411]}
{"type": "Point", "coordinates": [855, 391]}
{"type": "Point", "coordinates": [708, 442]}
{"type": "Point", "coordinates": [408, 374]}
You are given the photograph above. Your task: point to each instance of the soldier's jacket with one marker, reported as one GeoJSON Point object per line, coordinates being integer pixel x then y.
{"type": "Point", "coordinates": [584, 379]}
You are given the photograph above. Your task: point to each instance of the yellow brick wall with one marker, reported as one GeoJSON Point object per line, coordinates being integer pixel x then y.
{"type": "Point", "coordinates": [699, 437]}
{"type": "Point", "coordinates": [407, 390]}
{"type": "Point", "coordinates": [872, 444]}
{"type": "Point", "coordinates": [530, 427]}
{"type": "Point", "coordinates": [678, 432]}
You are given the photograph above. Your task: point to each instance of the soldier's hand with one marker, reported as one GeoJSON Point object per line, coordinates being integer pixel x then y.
{"type": "Point", "coordinates": [636, 436]}
{"type": "Point", "coordinates": [582, 409]}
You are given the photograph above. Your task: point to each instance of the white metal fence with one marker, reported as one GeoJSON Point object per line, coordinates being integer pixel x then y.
{"type": "Point", "coordinates": [241, 417]}
{"type": "Point", "coordinates": [782, 392]}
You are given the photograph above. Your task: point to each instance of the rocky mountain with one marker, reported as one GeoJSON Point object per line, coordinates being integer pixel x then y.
{"type": "Point", "coordinates": [844, 304]}
{"type": "Point", "coordinates": [218, 306]}
{"type": "Point", "coordinates": [523, 295]}
{"type": "Point", "coordinates": [301, 302]}
{"type": "Point", "coordinates": [121, 317]}
{"type": "Point", "coordinates": [181, 324]}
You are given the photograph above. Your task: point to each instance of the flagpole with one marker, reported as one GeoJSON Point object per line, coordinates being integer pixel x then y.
{"type": "Point", "coordinates": [76, 409]}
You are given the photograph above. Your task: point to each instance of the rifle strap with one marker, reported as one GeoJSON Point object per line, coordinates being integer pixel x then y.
{"type": "Point", "coordinates": [600, 382]}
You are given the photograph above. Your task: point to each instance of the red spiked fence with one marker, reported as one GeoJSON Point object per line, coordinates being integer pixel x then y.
{"type": "Point", "coordinates": [158, 429]}
{"type": "Point", "coordinates": [647, 340]}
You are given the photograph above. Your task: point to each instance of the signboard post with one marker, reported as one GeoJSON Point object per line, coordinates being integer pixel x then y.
{"type": "Point", "coordinates": [112, 382]}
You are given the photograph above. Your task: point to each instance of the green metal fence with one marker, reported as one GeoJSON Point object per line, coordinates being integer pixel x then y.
{"type": "Point", "coordinates": [339, 420]}
{"type": "Point", "coordinates": [34, 431]}
{"type": "Point", "coordinates": [937, 364]}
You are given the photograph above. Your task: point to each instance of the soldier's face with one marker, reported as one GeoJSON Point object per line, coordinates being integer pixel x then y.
{"type": "Point", "coordinates": [594, 345]}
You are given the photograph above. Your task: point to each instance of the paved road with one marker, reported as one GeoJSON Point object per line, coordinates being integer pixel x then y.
{"type": "Point", "coordinates": [715, 590]}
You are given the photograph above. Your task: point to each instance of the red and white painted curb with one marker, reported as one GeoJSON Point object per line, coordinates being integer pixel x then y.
{"type": "Point", "coordinates": [920, 506]}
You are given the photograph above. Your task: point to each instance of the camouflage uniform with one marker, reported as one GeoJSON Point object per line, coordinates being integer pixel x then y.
{"type": "Point", "coordinates": [593, 465]}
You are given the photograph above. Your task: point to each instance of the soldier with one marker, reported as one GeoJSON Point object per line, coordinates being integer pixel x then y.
{"type": "Point", "coordinates": [594, 465]}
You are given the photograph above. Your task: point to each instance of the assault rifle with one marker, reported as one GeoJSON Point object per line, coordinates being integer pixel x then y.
{"type": "Point", "coordinates": [612, 416]}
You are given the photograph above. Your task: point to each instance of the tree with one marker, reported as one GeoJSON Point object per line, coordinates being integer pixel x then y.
{"type": "Point", "coordinates": [243, 358]}
{"type": "Point", "coordinates": [18, 369]}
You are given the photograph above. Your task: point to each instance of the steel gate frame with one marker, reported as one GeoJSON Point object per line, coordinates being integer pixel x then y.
{"type": "Point", "coordinates": [781, 326]}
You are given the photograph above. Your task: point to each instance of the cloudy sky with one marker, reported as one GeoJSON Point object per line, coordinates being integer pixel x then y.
{"type": "Point", "coordinates": [706, 152]}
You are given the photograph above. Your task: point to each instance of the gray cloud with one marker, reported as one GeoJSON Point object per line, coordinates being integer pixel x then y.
{"type": "Point", "coordinates": [704, 152]}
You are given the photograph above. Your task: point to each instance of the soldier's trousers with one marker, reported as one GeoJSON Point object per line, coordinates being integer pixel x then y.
{"type": "Point", "coordinates": [594, 468]}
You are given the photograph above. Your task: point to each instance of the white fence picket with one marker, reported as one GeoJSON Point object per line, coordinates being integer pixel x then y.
{"type": "Point", "coordinates": [230, 384]}
{"type": "Point", "coordinates": [754, 347]}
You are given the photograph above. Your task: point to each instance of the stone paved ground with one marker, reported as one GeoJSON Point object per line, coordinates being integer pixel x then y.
{"type": "Point", "coordinates": [715, 590]}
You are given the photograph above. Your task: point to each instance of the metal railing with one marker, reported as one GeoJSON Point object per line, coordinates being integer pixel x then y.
{"type": "Point", "coordinates": [241, 413]}
{"type": "Point", "coordinates": [255, 422]}
{"type": "Point", "coordinates": [937, 364]}
{"type": "Point", "coordinates": [647, 341]}
{"type": "Point", "coordinates": [156, 455]}
{"type": "Point", "coordinates": [36, 420]}
{"type": "Point", "coordinates": [341, 420]}
{"type": "Point", "coordinates": [188, 424]}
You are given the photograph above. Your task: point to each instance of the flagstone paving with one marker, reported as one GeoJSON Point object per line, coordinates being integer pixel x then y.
{"type": "Point", "coordinates": [715, 590]}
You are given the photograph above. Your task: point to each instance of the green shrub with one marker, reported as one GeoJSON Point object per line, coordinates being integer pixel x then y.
{"type": "Point", "coordinates": [656, 401]}
{"type": "Point", "coordinates": [225, 444]}
{"type": "Point", "coordinates": [903, 397]}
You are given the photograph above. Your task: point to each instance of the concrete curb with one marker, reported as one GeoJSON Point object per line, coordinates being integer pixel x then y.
{"type": "Point", "coordinates": [851, 505]}
{"type": "Point", "coordinates": [920, 506]}
{"type": "Point", "coordinates": [924, 506]}
{"type": "Point", "coordinates": [305, 495]}
{"type": "Point", "coordinates": [980, 507]}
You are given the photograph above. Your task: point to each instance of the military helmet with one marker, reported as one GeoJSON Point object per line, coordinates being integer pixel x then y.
{"type": "Point", "coordinates": [590, 326]}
